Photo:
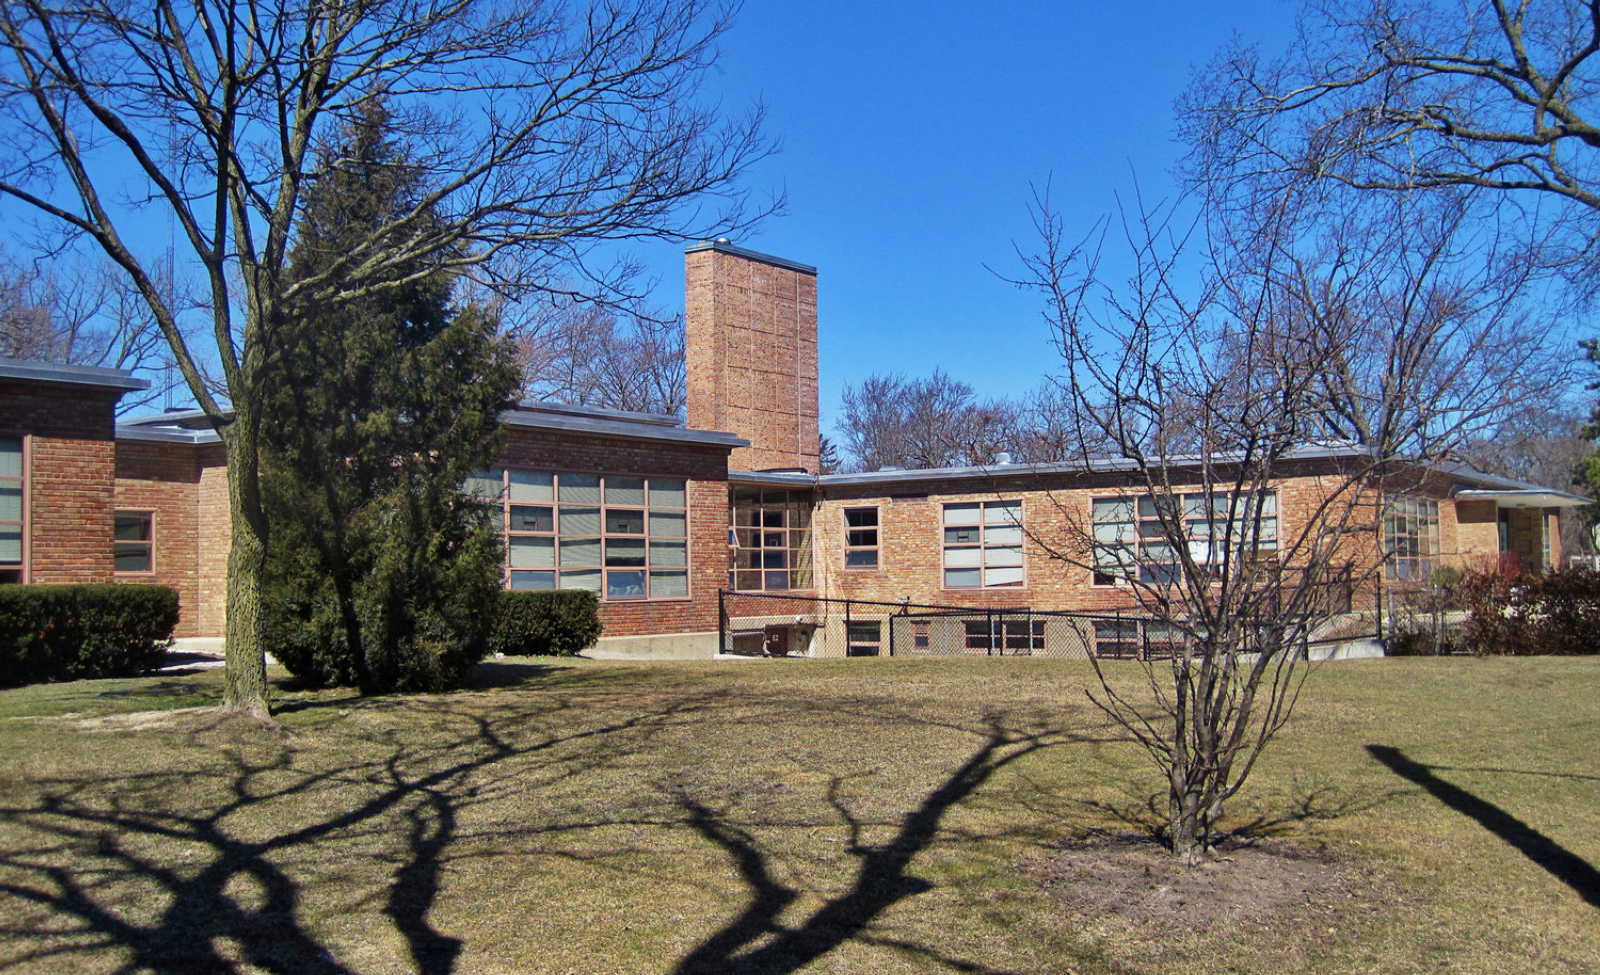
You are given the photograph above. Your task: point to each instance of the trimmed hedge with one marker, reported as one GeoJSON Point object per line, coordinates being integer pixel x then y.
{"type": "Point", "coordinates": [1554, 613]}
{"type": "Point", "coordinates": [72, 632]}
{"type": "Point", "coordinates": [558, 624]}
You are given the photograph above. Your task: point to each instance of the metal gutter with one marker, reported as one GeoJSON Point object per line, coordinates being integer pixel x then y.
{"type": "Point", "coordinates": [622, 429]}
{"type": "Point", "coordinates": [51, 372]}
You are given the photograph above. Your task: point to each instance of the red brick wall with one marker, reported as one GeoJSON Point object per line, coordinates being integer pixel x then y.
{"type": "Point", "coordinates": [1056, 510]}
{"type": "Point", "coordinates": [751, 330]}
{"type": "Point", "coordinates": [71, 457]}
{"type": "Point", "coordinates": [163, 478]}
{"type": "Point", "coordinates": [706, 469]}
{"type": "Point", "coordinates": [212, 532]}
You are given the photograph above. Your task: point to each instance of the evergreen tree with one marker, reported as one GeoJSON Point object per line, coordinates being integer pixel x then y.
{"type": "Point", "coordinates": [380, 572]}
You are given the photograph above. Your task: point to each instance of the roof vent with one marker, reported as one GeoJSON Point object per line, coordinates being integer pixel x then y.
{"type": "Point", "coordinates": [1003, 458]}
{"type": "Point", "coordinates": [723, 240]}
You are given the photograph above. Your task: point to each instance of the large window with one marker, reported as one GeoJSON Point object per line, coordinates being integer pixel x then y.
{"type": "Point", "coordinates": [133, 548]}
{"type": "Point", "coordinates": [1130, 542]}
{"type": "Point", "coordinates": [983, 544]}
{"type": "Point", "coordinates": [861, 538]}
{"type": "Point", "coordinates": [12, 483]}
{"type": "Point", "coordinates": [1410, 538]}
{"type": "Point", "coordinates": [770, 533]}
{"type": "Point", "coordinates": [1005, 635]}
{"type": "Point", "coordinates": [621, 537]}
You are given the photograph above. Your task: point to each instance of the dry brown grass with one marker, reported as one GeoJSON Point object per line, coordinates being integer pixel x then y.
{"type": "Point", "coordinates": [859, 815]}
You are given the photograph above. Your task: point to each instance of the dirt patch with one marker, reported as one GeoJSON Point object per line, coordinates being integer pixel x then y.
{"type": "Point", "coordinates": [1127, 893]}
{"type": "Point", "coordinates": [127, 720]}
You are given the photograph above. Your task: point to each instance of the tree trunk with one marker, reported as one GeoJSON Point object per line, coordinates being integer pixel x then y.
{"type": "Point", "coordinates": [1184, 824]}
{"type": "Point", "coordinates": [244, 686]}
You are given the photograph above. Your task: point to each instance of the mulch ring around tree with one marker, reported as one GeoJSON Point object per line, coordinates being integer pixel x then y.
{"type": "Point", "coordinates": [1125, 891]}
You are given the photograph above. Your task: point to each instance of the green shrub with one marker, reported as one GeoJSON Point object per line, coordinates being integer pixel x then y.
{"type": "Point", "coordinates": [74, 632]}
{"type": "Point", "coordinates": [558, 624]}
{"type": "Point", "coordinates": [1554, 613]}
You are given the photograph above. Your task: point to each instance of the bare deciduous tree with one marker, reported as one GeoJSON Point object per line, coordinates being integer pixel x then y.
{"type": "Point", "coordinates": [592, 355]}
{"type": "Point", "coordinates": [891, 421]}
{"type": "Point", "coordinates": [1360, 351]}
{"type": "Point", "coordinates": [538, 129]}
{"type": "Point", "coordinates": [1400, 95]}
{"type": "Point", "coordinates": [90, 319]}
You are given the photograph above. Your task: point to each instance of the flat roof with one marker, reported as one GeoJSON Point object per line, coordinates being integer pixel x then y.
{"type": "Point", "coordinates": [54, 372]}
{"type": "Point", "coordinates": [723, 245]}
{"type": "Point", "coordinates": [609, 426]}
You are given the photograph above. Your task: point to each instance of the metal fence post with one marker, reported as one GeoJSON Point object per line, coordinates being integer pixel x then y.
{"type": "Point", "coordinates": [722, 622]}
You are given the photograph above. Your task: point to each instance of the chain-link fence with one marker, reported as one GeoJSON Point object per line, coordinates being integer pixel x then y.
{"type": "Point", "coordinates": [784, 625]}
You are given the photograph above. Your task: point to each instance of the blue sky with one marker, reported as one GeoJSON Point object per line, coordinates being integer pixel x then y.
{"type": "Point", "coordinates": [911, 134]}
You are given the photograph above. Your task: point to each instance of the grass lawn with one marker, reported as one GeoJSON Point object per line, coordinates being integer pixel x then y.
{"type": "Point", "coordinates": [819, 816]}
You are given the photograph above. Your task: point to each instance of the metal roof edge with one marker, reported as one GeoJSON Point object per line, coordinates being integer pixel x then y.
{"type": "Point", "coordinates": [624, 429]}
{"type": "Point", "coordinates": [167, 434]}
{"type": "Point", "coordinates": [774, 478]}
{"type": "Point", "coordinates": [52, 372]}
{"type": "Point", "coordinates": [728, 247]}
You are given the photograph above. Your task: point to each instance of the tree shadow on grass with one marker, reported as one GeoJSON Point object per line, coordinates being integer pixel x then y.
{"type": "Point", "coordinates": [757, 942]}
{"type": "Point", "coordinates": [166, 871]}
{"type": "Point", "coordinates": [1563, 864]}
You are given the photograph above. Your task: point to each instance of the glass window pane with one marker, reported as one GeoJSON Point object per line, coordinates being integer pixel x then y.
{"type": "Point", "coordinates": [1006, 555]}
{"type": "Point", "coordinates": [580, 488]}
{"type": "Point", "coordinates": [773, 518]}
{"type": "Point", "coordinates": [580, 521]}
{"type": "Point", "coordinates": [961, 536]}
{"type": "Point", "coordinates": [776, 580]}
{"type": "Point", "coordinates": [10, 456]}
{"type": "Point", "coordinates": [747, 581]}
{"type": "Point", "coordinates": [775, 559]}
{"type": "Point", "coordinates": [1113, 509]}
{"type": "Point", "coordinates": [963, 578]}
{"type": "Point", "coordinates": [131, 557]}
{"type": "Point", "coordinates": [861, 517]}
{"type": "Point", "coordinates": [625, 521]}
{"type": "Point", "coordinates": [1113, 531]}
{"type": "Point", "coordinates": [532, 486]}
{"type": "Point", "coordinates": [10, 544]}
{"type": "Point", "coordinates": [954, 557]}
{"type": "Point", "coordinates": [1002, 513]}
{"type": "Point", "coordinates": [667, 524]}
{"type": "Point", "coordinates": [485, 484]}
{"type": "Point", "coordinates": [666, 493]}
{"type": "Point", "coordinates": [669, 585]}
{"type": "Point", "coordinates": [1004, 577]}
{"type": "Point", "coordinates": [532, 552]}
{"type": "Point", "coordinates": [11, 502]}
{"type": "Point", "coordinates": [533, 581]}
{"type": "Point", "coordinates": [588, 579]}
{"type": "Point", "coordinates": [1002, 535]}
{"type": "Point", "coordinates": [627, 552]}
{"type": "Point", "coordinates": [625, 584]}
{"type": "Point", "coordinates": [527, 518]}
{"type": "Point", "coordinates": [131, 527]}
{"type": "Point", "coordinates": [961, 514]}
{"type": "Point", "coordinates": [669, 553]}
{"type": "Point", "coordinates": [861, 536]}
{"type": "Point", "coordinates": [580, 551]}
{"type": "Point", "coordinates": [625, 490]}
{"type": "Point", "coordinates": [861, 559]}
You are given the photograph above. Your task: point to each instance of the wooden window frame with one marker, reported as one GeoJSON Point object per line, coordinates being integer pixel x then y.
{"type": "Point", "coordinates": [876, 548]}
{"type": "Point", "coordinates": [982, 545]}
{"type": "Point", "coordinates": [149, 543]}
{"type": "Point", "coordinates": [24, 485]}
{"type": "Point", "coordinates": [771, 506]}
{"type": "Point", "coordinates": [1422, 542]}
{"type": "Point", "coordinates": [1100, 579]}
{"type": "Point", "coordinates": [649, 569]}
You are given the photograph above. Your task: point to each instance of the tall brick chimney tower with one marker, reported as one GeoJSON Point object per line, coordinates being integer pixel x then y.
{"type": "Point", "coordinates": [751, 331]}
